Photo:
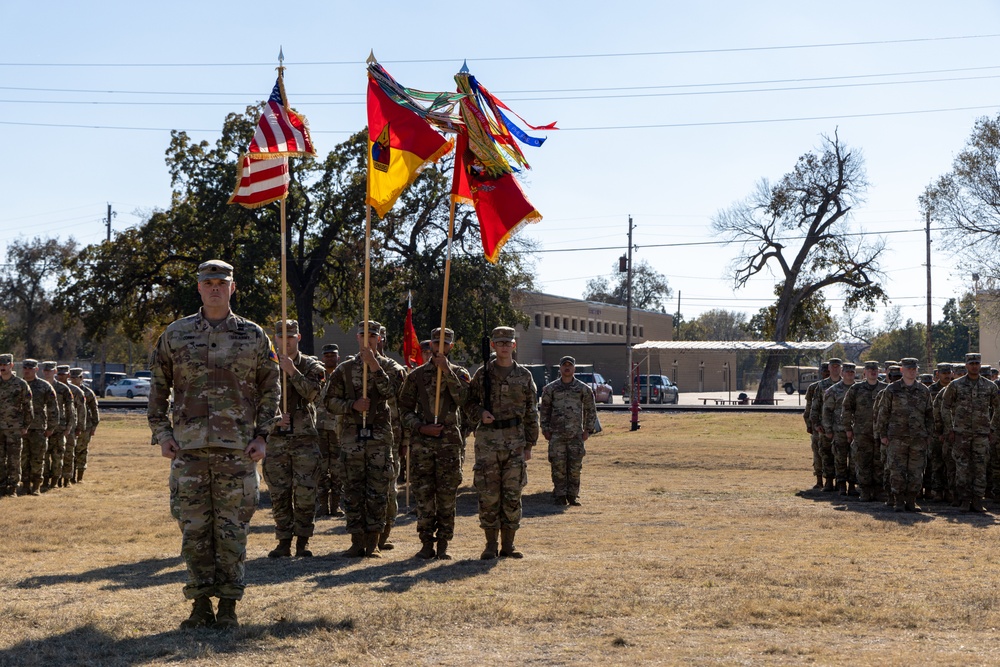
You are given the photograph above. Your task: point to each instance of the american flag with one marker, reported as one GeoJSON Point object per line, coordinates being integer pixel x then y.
{"type": "Point", "coordinates": [281, 131]}
{"type": "Point", "coordinates": [261, 182]}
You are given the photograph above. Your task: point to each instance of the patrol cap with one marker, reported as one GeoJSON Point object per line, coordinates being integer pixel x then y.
{"type": "Point", "coordinates": [848, 366]}
{"type": "Point", "coordinates": [895, 371]}
{"type": "Point", "coordinates": [986, 369]}
{"type": "Point", "coordinates": [973, 358]}
{"type": "Point", "coordinates": [926, 378]}
{"type": "Point", "coordinates": [29, 363]}
{"type": "Point", "coordinates": [909, 362]}
{"type": "Point", "coordinates": [373, 327]}
{"type": "Point", "coordinates": [944, 367]}
{"type": "Point", "coordinates": [6, 358]}
{"type": "Point", "coordinates": [381, 331]}
{"type": "Point", "coordinates": [449, 335]}
{"type": "Point", "coordinates": [62, 369]}
{"type": "Point", "coordinates": [425, 345]}
{"type": "Point", "coordinates": [567, 360]}
{"type": "Point", "coordinates": [891, 363]}
{"type": "Point", "coordinates": [872, 365]}
{"type": "Point", "coordinates": [501, 334]}
{"type": "Point", "coordinates": [836, 361]}
{"type": "Point", "coordinates": [824, 366]}
{"type": "Point", "coordinates": [48, 365]}
{"type": "Point", "coordinates": [291, 325]}
{"type": "Point", "coordinates": [215, 268]}
{"type": "Point", "coordinates": [331, 347]}
{"type": "Point", "coordinates": [76, 372]}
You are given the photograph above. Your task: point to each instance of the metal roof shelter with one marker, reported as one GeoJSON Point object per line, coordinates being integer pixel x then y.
{"type": "Point", "coordinates": [734, 345]}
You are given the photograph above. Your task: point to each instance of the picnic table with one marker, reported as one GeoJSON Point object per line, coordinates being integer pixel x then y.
{"type": "Point", "coordinates": [726, 401]}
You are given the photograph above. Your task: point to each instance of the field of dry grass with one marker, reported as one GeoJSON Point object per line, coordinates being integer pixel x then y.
{"type": "Point", "coordinates": [696, 544]}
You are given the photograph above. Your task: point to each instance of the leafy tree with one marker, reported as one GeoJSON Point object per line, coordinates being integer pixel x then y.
{"type": "Point", "coordinates": [811, 320]}
{"type": "Point", "coordinates": [717, 324]}
{"type": "Point", "coordinates": [906, 341]}
{"type": "Point", "coordinates": [650, 289]}
{"type": "Point", "coordinates": [798, 227]}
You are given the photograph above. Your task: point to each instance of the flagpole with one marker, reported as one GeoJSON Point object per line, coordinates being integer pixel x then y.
{"type": "Point", "coordinates": [284, 312]}
{"type": "Point", "coordinates": [444, 308]}
{"type": "Point", "coordinates": [368, 269]}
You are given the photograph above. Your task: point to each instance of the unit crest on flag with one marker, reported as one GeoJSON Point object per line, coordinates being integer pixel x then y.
{"type": "Point", "coordinates": [380, 150]}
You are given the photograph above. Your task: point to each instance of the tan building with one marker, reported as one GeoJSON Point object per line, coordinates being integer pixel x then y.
{"type": "Point", "coordinates": [988, 303]}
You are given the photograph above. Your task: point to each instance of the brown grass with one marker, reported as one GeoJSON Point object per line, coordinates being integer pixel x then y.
{"type": "Point", "coordinates": [695, 545]}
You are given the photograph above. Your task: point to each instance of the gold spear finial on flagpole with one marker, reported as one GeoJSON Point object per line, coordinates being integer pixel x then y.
{"type": "Point", "coordinates": [281, 61]}
{"type": "Point", "coordinates": [371, 57]}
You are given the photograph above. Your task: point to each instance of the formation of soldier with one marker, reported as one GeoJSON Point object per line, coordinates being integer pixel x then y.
{"type": "Point", "coordinates": [46, 424]}
{"type": "Point", "coordinates": [930, 436]}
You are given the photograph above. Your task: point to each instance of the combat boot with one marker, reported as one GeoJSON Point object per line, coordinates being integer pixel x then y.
{"type": "Point", "coordinates": [442, 551]}
{"type": "Point", "coordinates": [79, 475]}
{"type": "Point", "coordinates": [866, 495]}
{"type": "Point", "coordinates": [573, 500]}
{"type": "Point", "coordinates": [36, 487]}
{"type": "Point", "coordinates": [507, 548]}
{"type": "Point", "coordinates": [46, 484]}
{"type": "Point", "coordinates": [371, 545]}
{"type": "Point", "coordinates": [323, 504]}
{"type": "Point", "coordinates": [202, 615]}
{"type": "Point", "coordinates": [383, 540]}
{"type": "Point", "coordinates": [976, 505]}
{"type": "Point", "coordinates": [899, 505]}
{"type": "Point", "coordinates": [226, 618]}
{"type": "Point", "coordinates": [283, 550]}
{"type": "Point", "coordinates": [852, 489]}
{"type": "Point", "coordinates": [560, 500]}
{"type": "Point", "coordinates": [911, 504]}
{"type": "Point", "coordinates": [842, 488]}
{"type": "Point", "coordinates": [819, 483]}
{"type": "Point", "coordinates": [427, 549]}
{"type": "Point", "coordinates": [829, 487]}
{"type": "Point", "coordinates": [302, 547]}
{"type": "Point", "coordinates": [335, 505]}
{"type": "Point", "coordinates": [67, 480]}
{"type": "Point", "coordinates": [490, 552]}
{"type": "Point", "coordinates": [357, 549]}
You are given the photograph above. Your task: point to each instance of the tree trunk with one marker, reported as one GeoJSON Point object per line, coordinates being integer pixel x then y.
{"type": "Point", "coordinates": [304, 308]}
{"type": "Point", "coordinates": [769, 379]}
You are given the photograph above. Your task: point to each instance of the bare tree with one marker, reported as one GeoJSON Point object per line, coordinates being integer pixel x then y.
{"type": "Point", "coordinates": [799, 229]}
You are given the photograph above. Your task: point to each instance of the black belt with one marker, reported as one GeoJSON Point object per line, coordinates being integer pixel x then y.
{"type": "Point", "coordinates": [504, 423]}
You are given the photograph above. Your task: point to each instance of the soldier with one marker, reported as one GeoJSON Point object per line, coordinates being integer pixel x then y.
{"type": "Point", "coordinates": [73, 433]}
{"type": "Point", "coordinates": [814, 435]}
{"type": "Point", "coordinates": [934, 473]}
{"type": "Point", "coordinates": [892, 373]}
{"type": "Point", "coordinates": [93, 418]}
{"type": "Point", "coordinates": [291, 468]}
{"type": "Point", "coordinates": [502, 400]}
{"type": "Point", "coordinates": [434, 422]}
{"type": "Point", "coordinates": [398, 449]}
{"type": "Point", "coordinates": [46, 420]}
{"type": "Point", "coordinates": [331, 476]}
{"type": "Point", "coordinates": [16, 415]}
{"type": "Point", "coordinates": [858, 417]}
{"type": "Point", "coordinates": [833, 427]}
{"type": "Point", "coordinates": [366, 445]}
{"type": "Point", "coordinates": [816, 419]}
{"type": "Point", "coordinates": [947, 461]}
{"type": "Point", "coordinates": [970, 414]}
{"type": "Point", "coordinates": [905, 422]}
{"type": "Point", "coordinates": [568, 416]}
{"type": "Point", "coordinates": [224, 375]}
{"type": "Point", "coordinates": [55, 452]}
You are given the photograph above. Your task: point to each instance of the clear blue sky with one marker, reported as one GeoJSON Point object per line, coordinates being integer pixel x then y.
{"type": "Point", "coordinates": [699, 76]}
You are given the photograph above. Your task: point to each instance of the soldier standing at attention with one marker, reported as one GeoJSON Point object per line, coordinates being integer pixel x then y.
{"type": "Point", "coordinates": [905, 423]}
{"type": "Point", "coordinates": [893, 374]}
{"type": "Point", "coordinates": [398, 447]}
{"type": "Point", "coordinates": [331, 477]}
{"type": "Point", "coordinates": [16, 415]}
{"type": "Point", "coordinates": [502, 399]}
{"type": "Point", "coordinates": [814, 435]}
{"type": "Point", "coordinates": [947, 481]}
{"type": "Point", "coordinates": [43, 398]}
{"type": "Point", "coordinates": [970, 413]}
{"type": "Point", "coordinates": [366, 445]}
{"type": "Point", "coordinates": [816, 419]}
{"type": "Point", "coordinates": [93, 419]}
{"type": "Point", "coordinates": [224, 375]}
{"type": "Point", "coordinates": [436, 443]}
{"type": "Point", "coordinates": [858, 418]}
{"type": "Point", "coordinates": [73, 433]}
{"type": "Point", "coordinates": [291, 468]}
{"type": "Point", "coordinates": [568, 416]}
{"type": "Point", "coordinates": [833, 425]}
{"type": "Point", "coordinates": [56, 450]}
{"type": "Point", "coordinates": [934, 472]}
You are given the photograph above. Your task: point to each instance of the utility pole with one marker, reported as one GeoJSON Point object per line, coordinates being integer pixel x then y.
{"type": "Point", "coordinates": [677, 318]}
{"type": "Point", "coordinates": [107, 221]}
{"type": "Point", "coordinates": [628, 302]}
{"type": "Point", "coordinates": [929, 316]}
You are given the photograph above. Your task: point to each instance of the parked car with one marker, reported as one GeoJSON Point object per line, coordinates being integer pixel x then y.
{"type": "Point", "coordinates": [798, 378]}
{"type": "Point", "coordinates": [603, 393]}
{"type": "Point", "coordinates": [129, 388]}
{"type": "Point", "coordinates": [658, 389]}
{"type": "Point", "coordinates": [143, 375]}
{"type": "Point", "coordinates": [100, 383]}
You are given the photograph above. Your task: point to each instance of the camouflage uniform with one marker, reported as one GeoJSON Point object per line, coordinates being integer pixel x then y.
{"type": "Point", "coordinates": [46, 419]}
{"type": "Point", "coordinates": [814, 436]}
{"type": "Point", "coordinates": [291, 468]}
{"type": "Point", "coordinates": [833, 405]}
{"type": "Point", "coordinates": [883, 453]}
{"type": "Point", "coordinates": [905, 418]}
{"type": "Point", "coordinates": [934, 474]}
{"type": "Point", "coordinates": [16, 415]}
{"type": "Point", "coordinates": [500, 471]}
{"type": "Point", "coordinates": [56, 450]}
{"type": "Point", "coordinates": [970, 415]}
{"type": "Point", "coordinates": [947, 457]}
{"type": "Point", "coordinates": [331, 473]}
{"type": "Point", "coordinates": [73, 433]}
{"type": "Point", "coordinates": [825, 441]}
{"type": "Point", "coordinates": [83, 441]}
{"type": "Point", "coordinates": [392, 497]}
{"type": "Point", "coordinates": [568, 410]}
{"type": "Point", "coordinates": [436, 462]}
{"type": "Point", "coordinates": [858, 416]}
{"type": "Point", "coordinates": [367, 462]}
{"type": "Point", "coordinates": [225, 393]}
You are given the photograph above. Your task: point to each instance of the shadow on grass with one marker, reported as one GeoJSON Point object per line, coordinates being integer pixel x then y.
{"type": "Point", "coordinates": [879, 511]}
{"type": "Point", "coordinates": [399, 576]}
{"type": "Point", "coordinates": [88, 645]}
{"type": "Point", "coordinates": [143, 574]}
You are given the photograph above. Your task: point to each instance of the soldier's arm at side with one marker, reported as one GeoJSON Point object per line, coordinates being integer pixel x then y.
{"type": "Point", "coordinates": [947, 401]}
{"type": "Point", "coordinates": [589, 412]}
{"type": "Point", "coordinates": [268, 389]}
{"type": "Point", "coordinates": [160, 381]}
{"type": "Point", "coordinates": [531, 415]}
{"type": "Point", "coordinates": [847, 412]}
{"type": "Point", "coordinates": [408, 404]}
